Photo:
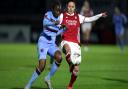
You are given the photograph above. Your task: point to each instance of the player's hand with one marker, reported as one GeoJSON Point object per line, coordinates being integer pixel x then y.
{"type": "Point", "coordinates": [63, 27]}
{"type": "Point", "coordinates": [104, 14]}
{"type": "Point", "coordinates": [57, 22]}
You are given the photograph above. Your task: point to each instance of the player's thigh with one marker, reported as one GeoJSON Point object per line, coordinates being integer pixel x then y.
{"type": "Point", "coordinates": [65, 47]}
{"type": "Point", "coordinates": [52, 50]}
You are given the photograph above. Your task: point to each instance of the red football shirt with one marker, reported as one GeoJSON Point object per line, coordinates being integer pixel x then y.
{"type": "Point", "coordinates": [72, 32]}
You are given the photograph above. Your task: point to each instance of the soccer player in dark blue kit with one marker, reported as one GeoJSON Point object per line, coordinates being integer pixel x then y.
{"type": "Point", "coordinates": [46, 45]}
{"type": "Point", "coordinates": [119, 19]}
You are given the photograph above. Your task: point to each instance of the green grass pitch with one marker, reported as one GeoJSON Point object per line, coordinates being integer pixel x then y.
{"type": "Point", "coordinates": [102, 67]}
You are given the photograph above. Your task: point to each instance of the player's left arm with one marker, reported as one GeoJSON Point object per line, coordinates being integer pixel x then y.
{"type": "Point", "coordinates": [124, 18]}
{"type": "Point", "coordinates": [91, 19]}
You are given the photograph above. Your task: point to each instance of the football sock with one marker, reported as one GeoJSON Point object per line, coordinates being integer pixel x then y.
{"type": "Point", "coordinates": [34, 76]}
{"type": "Point", "coordinates": [73, 79]}
{"type": "Point", "coordinates": [54, 68]}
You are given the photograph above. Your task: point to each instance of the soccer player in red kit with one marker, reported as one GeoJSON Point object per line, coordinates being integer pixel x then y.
{"type": "Point", "coordinates": [86, 27]}
{"type": "Point", "coordinates": [71, 38]}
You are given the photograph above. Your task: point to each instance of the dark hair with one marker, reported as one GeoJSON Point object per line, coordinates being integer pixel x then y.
{"type": "Point", "coordinates": [54, 4]}
{"type": "Point", "coordinates": [71, 1]}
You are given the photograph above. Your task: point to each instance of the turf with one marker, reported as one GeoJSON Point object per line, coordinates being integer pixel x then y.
{"type": "Point", "coordinates": [102, 67]}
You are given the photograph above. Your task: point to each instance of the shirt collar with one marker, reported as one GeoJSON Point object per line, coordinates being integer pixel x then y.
{"type": "Point", "coordinates": [70, 14]}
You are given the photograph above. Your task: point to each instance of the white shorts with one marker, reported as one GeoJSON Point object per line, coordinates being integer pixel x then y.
{"type": "Point", "coordinates": [75, 51]}
{"type": "Point", "coordinates": [86, 26]}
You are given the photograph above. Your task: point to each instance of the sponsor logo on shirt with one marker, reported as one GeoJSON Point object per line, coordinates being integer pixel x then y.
{"type": "Point", "coordinates": [71, 22]}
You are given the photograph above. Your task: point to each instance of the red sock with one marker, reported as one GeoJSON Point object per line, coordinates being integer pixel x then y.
{"type": "Point", "coordinates": [73, 79]}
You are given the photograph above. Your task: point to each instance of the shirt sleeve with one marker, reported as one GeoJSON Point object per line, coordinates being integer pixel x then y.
{"type": "Point", "coordinates": [89, 19]}
{"type": "Point", "coordinates": [47, 21]}
{"type": "Point", "coordinates": [61, 18]}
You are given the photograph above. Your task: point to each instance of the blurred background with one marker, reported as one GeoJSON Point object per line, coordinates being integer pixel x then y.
{"type": "Point", "coordinates": [21, 20]}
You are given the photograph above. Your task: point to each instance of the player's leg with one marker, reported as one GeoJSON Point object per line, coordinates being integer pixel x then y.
{"type": "Point", "coordinates": [122, 44]}
{"type": "Point", "coordinates": [50, 62]}
{"type": "Point", "coordinates": [86, 29]}
{"type": "Point", "coordinates": [86, 39]}
{"type": "Point", "coordinates": [42, 51]}
{"type": "Point", "coordinates": [55, 65]}
{"type": "Point", "coordinates": [56, 53]}
{"type": "Point", "coordinates": [74, 69]}
{"type": "Point", "coordinates": [36, 73]}
{"type": "Point", "coordinates": [87, 35]}
{"type": "Point", "coordinates": [74, 74]}
{"type": "Point", "coordinates": [73, 60]}
{"type": "Point", "coordinates": [67, 51]}
{"type": "Point", "coordinates": [120, 39]}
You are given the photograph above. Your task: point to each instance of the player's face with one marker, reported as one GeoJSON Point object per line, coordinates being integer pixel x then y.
{"type": "Point", "coordinates": [57, 10]}
{"type": "Point", "coordinates": [117, 11]}
{"type": "Point", "coordinates": [86, 5]}
{"type": "Point", "coordinates": [71, 7]}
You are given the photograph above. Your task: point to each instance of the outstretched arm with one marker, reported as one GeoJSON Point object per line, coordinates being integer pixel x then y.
{"type": "Point", "coordinates": [91, 19]}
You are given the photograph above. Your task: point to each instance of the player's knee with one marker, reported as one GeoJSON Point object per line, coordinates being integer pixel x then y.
{"type": "Point", "coordinates": [41, 68]}
{"type": "Point", "coordinates": [58, 56]}
{"type": "Point", "coordinates": [75, 70]}
{"type": "Point", "coordinates": [38, 71]}
{"type": "Point", "coordinates": [41, 65]}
